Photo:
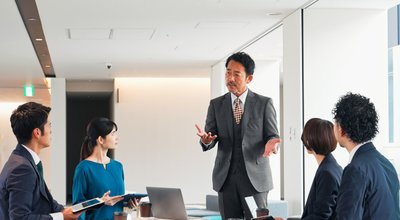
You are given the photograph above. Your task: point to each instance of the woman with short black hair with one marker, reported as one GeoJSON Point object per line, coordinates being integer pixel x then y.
{"type": "Point", "coordinates": [319, 139]}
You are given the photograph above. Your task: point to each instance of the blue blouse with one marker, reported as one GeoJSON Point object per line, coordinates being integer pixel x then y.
{"type": "Point", "coordinates": [92, 180]}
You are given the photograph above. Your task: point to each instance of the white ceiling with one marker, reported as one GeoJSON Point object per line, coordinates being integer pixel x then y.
{"type": "Point", "coordinates": [145, 38]}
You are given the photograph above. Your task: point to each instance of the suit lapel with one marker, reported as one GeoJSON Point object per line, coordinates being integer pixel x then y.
{"type": "Point", "coordinates": [248, 108]}
{"type": "Point", "coordinates": [228, 113]}
{"type": "Point", "coordinates": [20, 150]}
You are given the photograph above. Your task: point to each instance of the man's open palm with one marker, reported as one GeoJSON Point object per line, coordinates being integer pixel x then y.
{"type": "Point", "coordinates": [206, 138]}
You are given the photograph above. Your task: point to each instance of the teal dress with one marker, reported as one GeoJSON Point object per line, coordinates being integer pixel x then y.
{"type": "Point", "coordinates": [92, 180]}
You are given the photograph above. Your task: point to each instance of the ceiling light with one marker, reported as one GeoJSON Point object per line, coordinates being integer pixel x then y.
{"type": "Point", "coordinates": [47, 66]}
{"type": "Point", "coordinates": [277, 13]}
{"type": "Point", "coordinates": [30, 16]}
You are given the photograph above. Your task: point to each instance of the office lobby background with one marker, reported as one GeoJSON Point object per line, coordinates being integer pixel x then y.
{"type": "Point", "coordinates": [325, 53]}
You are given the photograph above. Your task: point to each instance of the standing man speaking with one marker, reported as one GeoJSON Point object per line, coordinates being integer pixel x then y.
{"type": "Point", "coordinates": [244, 125]}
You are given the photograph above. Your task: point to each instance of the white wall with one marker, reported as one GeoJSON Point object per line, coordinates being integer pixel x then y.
{"type": "Point", "coordinates": [344, 51]}
{"type": "Point", "coordinates": [217, 80]}
{"type": "Point", "coordinates": [7, 138]}
{"type": "Point", "coordinates": [58, 160]}
{"type": "Point", "coordinates": [158, 145]}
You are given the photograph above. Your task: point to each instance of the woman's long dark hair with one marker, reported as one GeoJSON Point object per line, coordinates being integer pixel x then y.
{"type": "Point", "coordinates": [97, 127]}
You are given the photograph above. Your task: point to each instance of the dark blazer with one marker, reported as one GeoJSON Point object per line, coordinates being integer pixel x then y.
{"type": "Point", "coordinates": [369, 187]}
{"type": "Point", "coordinates": [258, 126]}
{"type": "Point", "coordinates": [24, 195]}
{"type": "Point", "coordinates": [321, 201]}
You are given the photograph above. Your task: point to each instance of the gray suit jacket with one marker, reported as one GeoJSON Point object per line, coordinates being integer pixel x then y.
{"type": "Point", "coordinates": [24, 195]}
{"type": "Point", "coordinates": [258, 126]}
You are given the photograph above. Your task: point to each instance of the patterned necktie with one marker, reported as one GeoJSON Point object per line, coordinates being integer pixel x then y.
{"type": "Point", "coordinates": [40, 169]}
{"type": "Point", "coordinates": [237, 110]}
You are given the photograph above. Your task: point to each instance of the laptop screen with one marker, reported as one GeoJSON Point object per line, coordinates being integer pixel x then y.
{"type": "Point", "coordinates": [167, 203]}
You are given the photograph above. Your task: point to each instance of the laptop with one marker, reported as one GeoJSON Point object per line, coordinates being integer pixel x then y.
{"type": "Point", "coordinates": [251, 203]}
{"type": "Point", "coordinates": [167, 203]}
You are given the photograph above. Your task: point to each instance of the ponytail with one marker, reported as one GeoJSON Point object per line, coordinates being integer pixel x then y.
{"type": "Point", "coordinates": [87, 148]}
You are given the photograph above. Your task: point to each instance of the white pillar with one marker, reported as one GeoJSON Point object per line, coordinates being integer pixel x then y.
{"type": "Point", "coordinates": [58, 143]}
{"type": "Point", "coordinates": [293, 113]}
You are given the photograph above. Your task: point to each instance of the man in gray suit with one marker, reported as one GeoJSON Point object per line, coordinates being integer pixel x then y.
{"type": "Point", "coordinates": [244, 125]}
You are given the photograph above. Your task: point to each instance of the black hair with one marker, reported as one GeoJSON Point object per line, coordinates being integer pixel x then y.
{"type": "Point", "coordinates": [244, 59]}
{"type": "Point", "coordinates": [357, 117]}
{"type": "Point", "coordinates": [318, 136]}
{"type": "Point", "coordinates": [97, 127]}
{"type": "Point", "coordinates": [26, 118]}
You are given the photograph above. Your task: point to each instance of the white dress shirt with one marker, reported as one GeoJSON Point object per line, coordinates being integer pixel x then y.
{"type": "Point", "coordinates": [242, 99]}
{"type": "Point", "coordinates": [354, 150]}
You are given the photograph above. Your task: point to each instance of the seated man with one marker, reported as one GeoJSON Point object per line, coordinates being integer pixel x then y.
{"type": "Point", "coordinates": [370, 186]}
{"type": "Point", "coordinates": [23, 191]}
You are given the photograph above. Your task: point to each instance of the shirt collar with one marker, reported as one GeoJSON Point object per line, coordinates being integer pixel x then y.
{"type": "Point", "coordinates": [35, 157]}
{"type": "Point", "coordinates": [241, 97]}
{"type": "Point", "coordinates": [354, 150]}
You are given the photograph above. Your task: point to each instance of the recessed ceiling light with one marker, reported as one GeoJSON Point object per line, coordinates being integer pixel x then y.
{"type": "Point", "coordinates": [38, 39]}
{"type": "Point", "coordinates": [32, 19]}
{"type": "Point", "coordinates": [277, 13]}
{"type": "Point", "coordinates": [47, 66]}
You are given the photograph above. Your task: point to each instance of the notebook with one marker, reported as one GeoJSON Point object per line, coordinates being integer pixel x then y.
{"type": "Point", "coordinates": [167, 203]}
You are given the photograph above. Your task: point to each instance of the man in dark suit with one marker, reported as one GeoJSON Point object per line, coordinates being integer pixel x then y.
{"type": "Point", "coordinates": [244, 125]}
{"type": "Point", "coordinates": [23, 191]}
{"type": "Point", "coordinates": [370, 186]}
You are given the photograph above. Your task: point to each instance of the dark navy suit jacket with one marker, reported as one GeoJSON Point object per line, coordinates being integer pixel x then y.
{"type": "Point", "coordinates": [369, 187]}
{"type": "Point", "coordinates": [321, 202]}
{"type": "Point", "coordinates": [24, 195]}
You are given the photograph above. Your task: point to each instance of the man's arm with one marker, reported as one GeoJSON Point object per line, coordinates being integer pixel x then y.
{"type": "Point", "coordinates": [21, 185]}
{"type": "Point", "coordinates": [208, 137]}
{"type": "Point", "coordinates": [270, 123]}
{"type": "Point", "coordinates": [270, 131]}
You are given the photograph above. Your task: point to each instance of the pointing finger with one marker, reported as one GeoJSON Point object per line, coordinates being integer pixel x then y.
{"type": "Point", "coordinates": [198, 128]}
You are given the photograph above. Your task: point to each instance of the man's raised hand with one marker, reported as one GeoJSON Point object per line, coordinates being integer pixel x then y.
{"type": "Point", "coordinates": [206, 138]}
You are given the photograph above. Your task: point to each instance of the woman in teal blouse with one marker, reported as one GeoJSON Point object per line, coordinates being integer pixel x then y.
{"type": "Point", "coordinates": [97, 175]}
